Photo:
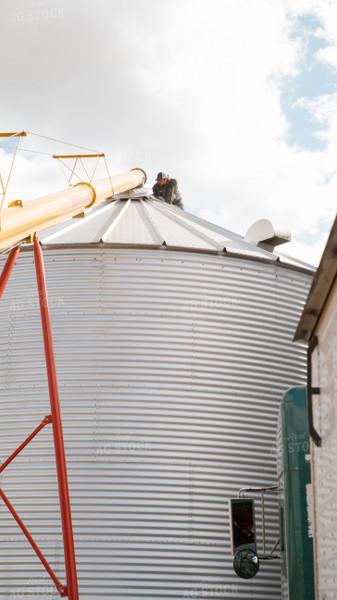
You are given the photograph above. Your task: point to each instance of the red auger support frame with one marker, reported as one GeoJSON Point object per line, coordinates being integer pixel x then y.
{"type": "Point", "coordinates": [8, 268]}
{"type": "Point", "coordinates": [71, 589]}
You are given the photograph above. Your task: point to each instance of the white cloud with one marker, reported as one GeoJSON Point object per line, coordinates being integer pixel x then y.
{"type": "Point", "coordinates": [189, 87]}
{"type": "Point", "coordinates": [307, 252]}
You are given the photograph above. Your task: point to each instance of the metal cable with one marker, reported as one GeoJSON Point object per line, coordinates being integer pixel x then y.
{"type": "Point", "coordinates": [108, 172]}
{"type": "Point", "coordinates": [25, 150]}
{"type": "Point", "coordinates": [61, 142]}
{"type": "Point", "coordinates": [69, 169]}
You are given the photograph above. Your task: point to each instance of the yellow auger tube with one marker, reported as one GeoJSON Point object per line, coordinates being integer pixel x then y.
{"type": "Point", "coordinates": [18, 222]}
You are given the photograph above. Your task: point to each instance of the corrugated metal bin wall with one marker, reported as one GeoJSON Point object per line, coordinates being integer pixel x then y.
{"type": "Point", "coordinates": [171, 365]}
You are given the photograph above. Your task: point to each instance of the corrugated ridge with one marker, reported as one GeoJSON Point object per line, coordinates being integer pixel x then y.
{"type": "Point", "coordinates": [170, 371]}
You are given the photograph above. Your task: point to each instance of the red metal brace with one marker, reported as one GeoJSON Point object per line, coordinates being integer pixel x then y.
{"type": "Point", "coordinates": [43, 423]}
{"type": "Point", "coordinates": [71, 590]}
{"type": "Point", "coordinates": [10, 262]}
{"type": "Point", "coordinates": [60, 458]}
{"type": "Point", "coordinates": [60, 588]}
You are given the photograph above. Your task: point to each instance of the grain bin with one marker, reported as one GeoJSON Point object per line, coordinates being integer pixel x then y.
{"type": "Point", "coordinates": [173, 346]}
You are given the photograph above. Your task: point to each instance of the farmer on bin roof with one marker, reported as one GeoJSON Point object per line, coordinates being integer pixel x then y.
{"type": "Point", "coordinates": [167, 189]}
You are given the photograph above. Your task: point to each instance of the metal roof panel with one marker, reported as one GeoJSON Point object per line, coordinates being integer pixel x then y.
{"type": "Point", "coordinates": [148, 221]}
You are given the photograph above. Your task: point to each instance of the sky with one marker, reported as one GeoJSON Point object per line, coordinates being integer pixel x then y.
{"type": "Point", "coordinates": [237, 99]}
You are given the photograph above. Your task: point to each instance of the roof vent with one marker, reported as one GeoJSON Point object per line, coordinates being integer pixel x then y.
{"type": "Point", "coordinates": [266, 235]}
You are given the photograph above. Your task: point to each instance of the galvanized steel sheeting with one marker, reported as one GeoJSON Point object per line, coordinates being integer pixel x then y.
{"type": "Point", "coordinates": [151, 222]}
{"type": "Point", "coordinates": [171, 366]}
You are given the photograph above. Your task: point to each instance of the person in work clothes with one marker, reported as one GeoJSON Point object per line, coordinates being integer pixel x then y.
{"type": "Point", "coordinates": [167, 189]}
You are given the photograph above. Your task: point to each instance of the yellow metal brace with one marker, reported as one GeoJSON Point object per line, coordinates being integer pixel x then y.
{"type": "Point", "coordinates": [77, 158]}
{"type": "Point", "coordinates": [4, 187]}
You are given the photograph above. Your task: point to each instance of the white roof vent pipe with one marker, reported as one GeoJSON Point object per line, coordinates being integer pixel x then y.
{"type": "Point", "coordinates": [266, 235]}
